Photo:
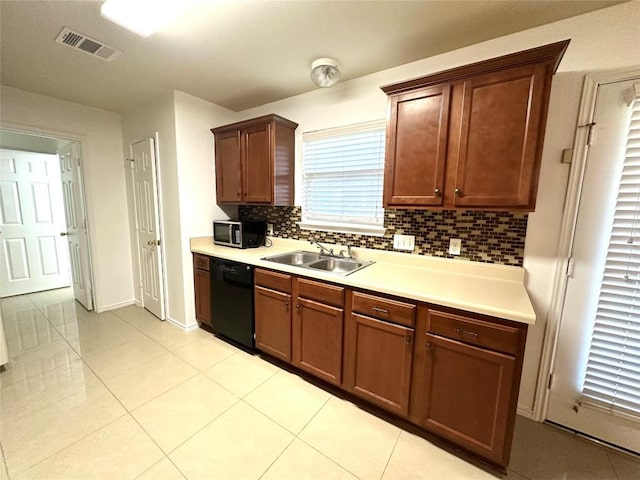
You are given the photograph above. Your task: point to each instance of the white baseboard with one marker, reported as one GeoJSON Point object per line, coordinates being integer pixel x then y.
{"type": "Point", "coordinates": [525, 412]}
{"type": "Point", "coordinates": [186, 328]}
{"type": "Point", "coordinates": [115, 306]}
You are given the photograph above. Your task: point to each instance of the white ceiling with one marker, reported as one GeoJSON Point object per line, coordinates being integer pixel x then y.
{"type": "Point", "coordinates": [245, 53]}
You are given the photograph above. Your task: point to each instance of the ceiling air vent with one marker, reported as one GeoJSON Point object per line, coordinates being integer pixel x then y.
{"type": "Point", "coordinates": [81, 42]}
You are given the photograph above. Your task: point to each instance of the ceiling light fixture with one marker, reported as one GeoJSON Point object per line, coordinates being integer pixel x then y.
{"type": "Point", "coordinates": [325, 72]}
{"type": "Point", "coordinates": [143, 17]}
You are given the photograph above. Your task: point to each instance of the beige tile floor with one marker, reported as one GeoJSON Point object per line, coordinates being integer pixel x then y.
{"type": "Point", "coordinates": [121, 395]}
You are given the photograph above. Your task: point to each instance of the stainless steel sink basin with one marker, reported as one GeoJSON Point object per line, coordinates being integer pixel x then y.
{"type": "Point", "coordinates": [339, 266]}
{"type": "Point", "coordinates": [294, 258]}
{"type": "Point", "coordinates": [315, 261]}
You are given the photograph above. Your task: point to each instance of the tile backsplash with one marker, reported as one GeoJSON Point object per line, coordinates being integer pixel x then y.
{"type": "Point", "coordinates": [491, 237]}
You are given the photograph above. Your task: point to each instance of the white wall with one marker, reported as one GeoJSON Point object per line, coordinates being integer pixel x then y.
{"type": "Point", "coordinates": [186, 186]}
{"type": "Point", "coordinates": [604, 39]}
{"type": "Point", "coordinates": [100, 135]}
{"type": "Point", "coordinates": [196, 178]}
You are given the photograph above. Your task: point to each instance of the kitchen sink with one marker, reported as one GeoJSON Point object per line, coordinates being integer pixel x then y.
{"type": "Point", "coordinates": [295, 258]}
{"type": "Point", "coordinates": [316, 261]}
{"type": "Point", "coordinates": [339, 266]}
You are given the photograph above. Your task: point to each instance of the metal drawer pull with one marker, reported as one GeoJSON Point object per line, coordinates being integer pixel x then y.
{"type": "Point", "coordinates": [381, 310]}
{"type": "Point", "coordinates": [467, 332]}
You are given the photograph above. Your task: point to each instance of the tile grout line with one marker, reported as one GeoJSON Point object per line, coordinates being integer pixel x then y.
{"type": "Point", "coordinates": [4, 462]}
{"type": "Point", "coordinates": [386, 465]}
{"type": "Point", "coordinates": [314, 448]}
{"type": "Point", "coordinates": [203, 427]}
{"type": "Point", "coordinates": [613, 468]}
{"type": "Point", "coordinates": [72, 443]}
{"type": "Point", "coordinates": [171, 461]}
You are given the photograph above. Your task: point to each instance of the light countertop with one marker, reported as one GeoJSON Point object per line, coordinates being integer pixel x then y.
{"type": "Point", "coordinates": [496, 290]}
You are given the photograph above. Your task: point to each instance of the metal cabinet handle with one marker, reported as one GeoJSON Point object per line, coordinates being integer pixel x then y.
{"type": "Point", "coordinates": [429, 346]}
{"type": "Point", "coordinates": [298, 305]}
{"type": "Point", "coordinates": [407, 340]}
{"type": "Point", "coordinates": [458, 192]}
{"type": "Point", "coordinates": [153, 242]}
{"type": "Point", "coordinates": [381, 310]}
{"type": "Point", "coordinates": [467, 332]}
{"type": "Point", "coordinates": [437, 192]}
{"type": "Point", "coordinates": [64, 234]}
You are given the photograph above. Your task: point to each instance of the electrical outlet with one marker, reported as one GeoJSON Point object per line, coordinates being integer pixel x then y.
{"type": "Point", "coordinates": [270, 229]}
{"type": "Point", "coordinates": [404, 242]}
{"type": "Point", "coordinates": [455, 245]}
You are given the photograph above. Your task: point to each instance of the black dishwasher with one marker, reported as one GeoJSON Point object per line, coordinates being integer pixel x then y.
{"type": "Point", "coordinates": [232, 301]}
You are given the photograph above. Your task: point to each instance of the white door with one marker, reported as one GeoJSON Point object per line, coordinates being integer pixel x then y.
{"type": "Point", "coordinates": [76, 229]}
{"type": "Point", "coordinates": [593, 231]}
{"type": "Point", "coordinates": [147, 221]}
{"type": "Point", "coordinates": [34, 258]}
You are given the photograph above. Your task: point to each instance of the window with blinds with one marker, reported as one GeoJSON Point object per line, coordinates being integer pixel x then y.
{"type": "Point", "coordinates": [612, 380]}
{"type": "Point", "coordinates": [343, 170]}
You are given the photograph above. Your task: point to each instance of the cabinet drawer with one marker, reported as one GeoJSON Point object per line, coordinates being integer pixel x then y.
{"type": "Point", "coordinates": [476, 332]}
{"type": "Point", "coordinates": [273, 280]}
{"type": "Point", "coordinates": [321, 292]}
{"type": "Point", "coordinates": [201, 262]}
{"type": "Point", "coordinates": [385, 309]}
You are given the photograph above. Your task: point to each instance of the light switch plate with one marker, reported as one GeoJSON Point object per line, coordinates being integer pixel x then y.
{"type": "Point", "coordinates": [455, 244]}
{"type": "Point", "coordinates": [270, 229]}
{"type": "Point", "coordinates": [404, 242]}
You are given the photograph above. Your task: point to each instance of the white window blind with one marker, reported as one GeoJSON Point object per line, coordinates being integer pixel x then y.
{"type": "Point", "coordinates": [343, 170]}
{"type": "Point", "coordinates": [612, 380]}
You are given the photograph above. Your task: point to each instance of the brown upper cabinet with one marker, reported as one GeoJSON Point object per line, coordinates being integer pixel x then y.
{"type": "Point", "coordinates": [470, 137]}
{"type": "Point", "coordinates": [255, 161]}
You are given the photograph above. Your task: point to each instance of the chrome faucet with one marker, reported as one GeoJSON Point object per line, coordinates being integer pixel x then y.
{"type": "Point", "coordinates": [323, 250]}
{"type": "Point", "coordinates": [349, 254]}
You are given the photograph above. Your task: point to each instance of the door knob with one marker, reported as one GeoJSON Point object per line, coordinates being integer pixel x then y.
{"type": "Point", "coordinates": [437, 192]}
{"type": "Point", "coordinates": [63, 234]}
{"type": "Point", "coordinates": [458, 192]}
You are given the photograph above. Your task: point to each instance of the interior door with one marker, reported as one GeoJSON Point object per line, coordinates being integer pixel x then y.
{"type": "Point", "coordinates": [76, 232]}
{"type": "Point", "coordinates": [147, 221]}
{"type": "Point", "coordinates": [593, 229]}
{"type": "Point", "coordinates": [34, 257]}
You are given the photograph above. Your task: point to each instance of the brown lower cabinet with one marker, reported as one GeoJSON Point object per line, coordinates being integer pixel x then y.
{"type": "Point", "coordinates": [453, 373]}
{"type": "Point", "coordinates": [380, 367]}
{"type": "Point", "coordinates": [202, 288]}
{"type": "Point", "coordinates": [273, 325]}
{"type": "Point", "coordinates": [466, 393]}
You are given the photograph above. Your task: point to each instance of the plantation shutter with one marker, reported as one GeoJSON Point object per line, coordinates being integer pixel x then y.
{"type": "Point", "coordinates": [612, 379]}
{"type": "Point", "coordinates": [343, 171]}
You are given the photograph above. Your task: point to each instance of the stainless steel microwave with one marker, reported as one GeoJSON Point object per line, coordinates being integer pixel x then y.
{"type": "Point", "coordinates": [239, 233]}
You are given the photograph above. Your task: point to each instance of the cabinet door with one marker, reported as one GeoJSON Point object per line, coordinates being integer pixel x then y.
{"type": "Point", "coordinates": [273, 322]}
{"type": "Point", "coordinates": [202, 287]}
{"type": "Point", "coordinates": [501, 138]}
{"type": "Point", "coordinates": [317, 340]}
{"type": "Point", "coordinates": [417, 147]}
{"type": "Point", "coordinates": [465, 395]}
{"type": "Point", "coordinates": [380, 369]}
{"type": "Point", "coordinates": [228, 169]}
{"type": "Point", "coordinates": [257, 172]}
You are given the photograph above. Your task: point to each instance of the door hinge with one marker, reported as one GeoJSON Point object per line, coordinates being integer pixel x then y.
{"type": "Point", "coordinates": [570, 265]}
{"type": "Point", "coordinates": [550, 382]}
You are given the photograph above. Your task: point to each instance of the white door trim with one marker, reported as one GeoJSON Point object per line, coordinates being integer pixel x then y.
{"type": "Point", "coordinates": [82, 141]}
{"type": "Point", "coordinates": [567, 230]}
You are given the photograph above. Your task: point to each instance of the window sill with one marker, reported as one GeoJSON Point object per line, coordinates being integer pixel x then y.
{"type": "Point", "coordinates": [343, 228]}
